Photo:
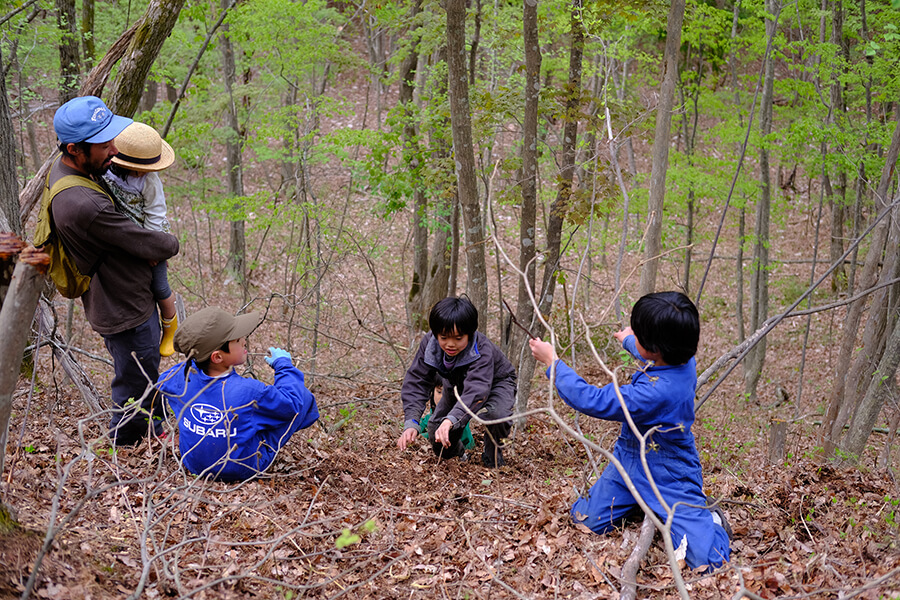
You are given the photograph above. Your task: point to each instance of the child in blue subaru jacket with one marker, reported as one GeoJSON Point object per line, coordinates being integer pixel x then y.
{"type": "Point", "coordinates": [665, 331]}
{"type": "Point", "coordinates": [231, 427]}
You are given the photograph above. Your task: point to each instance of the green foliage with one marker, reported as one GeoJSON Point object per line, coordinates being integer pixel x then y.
{"type": "Point", "coordinates": [347, 538]}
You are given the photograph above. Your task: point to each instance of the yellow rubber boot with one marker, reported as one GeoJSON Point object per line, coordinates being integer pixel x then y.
{"type": "Point", "coordinates": [166, 345]}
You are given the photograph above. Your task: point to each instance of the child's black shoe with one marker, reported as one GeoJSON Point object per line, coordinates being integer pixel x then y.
{"type": "Point", "coordinates": [719, 518]}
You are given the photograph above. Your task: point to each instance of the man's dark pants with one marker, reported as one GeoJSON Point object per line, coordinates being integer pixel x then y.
{"type": "Point", "coordinates": [128, 427]}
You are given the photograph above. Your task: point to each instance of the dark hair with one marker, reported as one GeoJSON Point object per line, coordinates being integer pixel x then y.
{"type": "Point", "coordinates": [204, 364]}
{"type": "Point", "coordinates": [85, 147]}
{"type": "Point", "coordinates": [453, 314]}
{"type": "Point", "coordinates": [668, 323]}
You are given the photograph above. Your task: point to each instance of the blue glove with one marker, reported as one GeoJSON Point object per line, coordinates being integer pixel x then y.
{"type": "Point", "coordinates": [276, 354]}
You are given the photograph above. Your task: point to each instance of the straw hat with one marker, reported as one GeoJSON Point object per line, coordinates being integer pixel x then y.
{"type": "Point", "coordinates": [142, 149]}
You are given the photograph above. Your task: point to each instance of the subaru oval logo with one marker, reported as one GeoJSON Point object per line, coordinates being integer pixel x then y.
{"type": "Point", "coordinates": [206, 414]}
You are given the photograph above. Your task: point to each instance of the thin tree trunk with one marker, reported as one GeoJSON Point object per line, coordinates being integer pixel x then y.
{"type": "Point", "coordinates": [878, 391]}
{"type": "Point", "coordinates": [829, 433]}
{"type": "Point", "coordinates": [528, 185]}
{"type": "Point", "coordinates": [87, 32]}
{"type": "Point", "coordinates": [759, 274]}
{"type": "Point", "coordinates": [15, 325]}
{"type": "Point", "coordinates": [660, 152]}
{"type": "Point", "coordinates": [877, 331]}
{"type": "Point", "coordinates": [413, 160]}
{"type": "Point", "coordinates": [464, 154]}
{"type": "Point", "coordinates": [153, 30]}
{"type": "Point", "coordinates": [69, 60]}
{"type": "Point", "coordinates": [235, 264]}
{"type": "Point", "coordinates": [560, 207]}
{"type": "Point", "coordinates": [835, 116]}
{"type": "Point", "coordinates": [9, 186]}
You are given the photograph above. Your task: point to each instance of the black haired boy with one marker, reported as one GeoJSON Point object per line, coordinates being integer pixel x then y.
{"type": "Point", "coordinates": [460, 357]}
{"type": "Point", "coordinates": [665, 329]}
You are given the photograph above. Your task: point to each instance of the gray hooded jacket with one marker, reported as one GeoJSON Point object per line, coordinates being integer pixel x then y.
{"type": "Point", "coordinates": [476, 372]}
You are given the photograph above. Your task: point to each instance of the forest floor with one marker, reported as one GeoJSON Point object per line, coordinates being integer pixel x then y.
{"type": "Point", "coordinates": [343, 513]}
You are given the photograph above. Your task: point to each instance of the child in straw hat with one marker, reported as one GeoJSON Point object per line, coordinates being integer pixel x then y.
{"type": "Point", "coordinates": [138, 193]}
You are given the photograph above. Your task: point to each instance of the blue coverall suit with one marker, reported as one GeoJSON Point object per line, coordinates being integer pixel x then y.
{"type": "Point", "coordinates": [658, 396]}
{"type": "Point", "coordinates": [230, 426]}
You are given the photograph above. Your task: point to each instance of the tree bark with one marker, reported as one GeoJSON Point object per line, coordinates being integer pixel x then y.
{"type": "Point", "coordinates": [413, 160]}
{"type": "Point", "coordinates": [235, 264]}
{"type": "Point", "coordinates": [660, 151]}
{"type": "Point", "coordinates": [9, 186]}
{"type": "Point", "coordinates": [878, 391]}
{"type": "Point", "coordinates": [87, 32]}
{"type": "Point", "coordinates": [830, 432]}
{"type": "Point", "coordinates": [759, 274]}
{"type": "Point", "coordinates": [69, 61]}
{"type": "Point", "coordinates": [528, 177]}
{"type": "Point", "coordinates": [560, 207]}
{"type": "Point", "coordinates": [154, 28]}
{"type": "Point", "coordinates": [464, 154]}
{"type": "Point", "coordinates": [15, 324]}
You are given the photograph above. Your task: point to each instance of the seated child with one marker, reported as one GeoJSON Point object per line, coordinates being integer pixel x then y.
{"type": "Point", "coordinates": [665, 329]}
{"type": "Point", "coordinates": [230, 427]}
{"type": "Point", "coordinates": [137, 191]}
{"type": "Point", "coordinates": [456, 355]}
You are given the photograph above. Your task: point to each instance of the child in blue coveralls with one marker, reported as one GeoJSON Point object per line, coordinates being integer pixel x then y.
{"type": "Point", "coordinates": [456, 355]}
{"type": "Point", "coordinates": [231, 427]}
{"type": "Point", "coordinates": [665, 330]}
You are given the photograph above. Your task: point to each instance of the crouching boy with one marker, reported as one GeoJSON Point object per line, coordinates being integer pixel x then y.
{"type": "Point", "coordinates": [665, 330]}
{"type": "Point", "coordinates": [458, 356]}
{"type": "Point", "coordinates": [231, 427]}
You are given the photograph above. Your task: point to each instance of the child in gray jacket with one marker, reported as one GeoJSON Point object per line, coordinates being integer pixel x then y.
{"type": "Point", "coordinates": [458, 357]}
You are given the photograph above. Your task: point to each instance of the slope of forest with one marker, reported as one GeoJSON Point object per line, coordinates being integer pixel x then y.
{"type": "Point", "coordinates": [326, 214]}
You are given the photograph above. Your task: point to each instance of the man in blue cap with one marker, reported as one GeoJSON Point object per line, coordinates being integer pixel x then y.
{"type": "Point", "coordinates": [117, 254]}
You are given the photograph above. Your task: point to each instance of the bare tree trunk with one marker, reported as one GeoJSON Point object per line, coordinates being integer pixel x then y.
{"type": "Point", "coordinates": [528, 179]}
{"type": "Point", "coordinates": [759, 278]}
{"type": "Point", "coordinates": [69, 61]}
{"type": "Point", "coordinates": [880, 386]}
{"type": "Point", "coordinates": [235, 264]}
{"type": "Point", "coordinates": [560, 206]}
{"type": "Point", "coordinates": [660, 151]}
{"type": "Point", "coordinates": [413, 160]}
{"type": "Point", "coordinates": [835, 115]}
{"type": "Point", "coordinates": [153, 23]}
{"type": "Point", "coordinates": [87, 32]}
{"type": "Point", "coordinates": [9, 186]}
{"type": "Point", "coordinates": [464, 154]}
{"type": "Point", "coordinates": [830, 433]}
{"type": "Point", "coordinates": [15, 324]}
{"type": "Point", "coordinates": [149, 36]}
{"type": "Point", "coordinates": [877, 331]}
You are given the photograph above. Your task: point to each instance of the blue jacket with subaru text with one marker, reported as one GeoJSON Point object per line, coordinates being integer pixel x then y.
{"type": "Point", "coordinates": [230, 426]}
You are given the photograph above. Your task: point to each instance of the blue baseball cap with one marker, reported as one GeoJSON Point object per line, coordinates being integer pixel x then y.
{"type": "Point", "coordinates": [87, 119]}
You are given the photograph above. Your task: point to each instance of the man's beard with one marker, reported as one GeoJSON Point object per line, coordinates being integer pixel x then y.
{"type": "Point", "coordinates": [100, 170]}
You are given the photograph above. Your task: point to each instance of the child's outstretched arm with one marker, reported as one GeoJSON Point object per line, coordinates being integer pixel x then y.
{"type": "Point", "coordinates": [621, 335]}
{"type": "Point", "coordinates": [542, 351]}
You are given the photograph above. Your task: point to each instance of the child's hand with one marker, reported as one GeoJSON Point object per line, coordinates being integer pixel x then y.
{"type": "Point", "coordinates": [621, 335]}
{"type": "Point", "coordinates": [277, 353]}
{"type": "Point", "coordinates": [543, 351]}
{"type": "Point", "coordinates": [442, 434]}
{"type": "Point", "coordinates": [407, 438]}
